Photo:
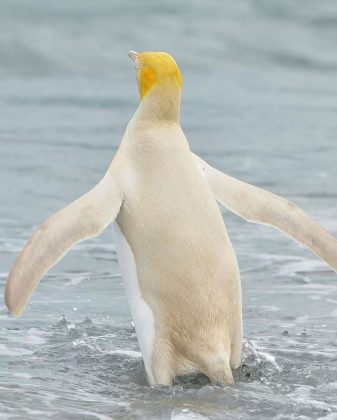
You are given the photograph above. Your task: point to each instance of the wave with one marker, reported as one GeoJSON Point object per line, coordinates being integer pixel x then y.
{"type": "Point", "coordinates": [40, 38]}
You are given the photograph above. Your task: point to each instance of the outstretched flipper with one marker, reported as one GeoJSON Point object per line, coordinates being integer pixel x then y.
{"type": "Point", "coordinates": [83, 218]}
{"type": "Point", "coordinates": [260, 206]}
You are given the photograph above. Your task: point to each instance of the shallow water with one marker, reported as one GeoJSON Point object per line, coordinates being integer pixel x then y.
{"type": "Point", "coordinates": [259, 102]}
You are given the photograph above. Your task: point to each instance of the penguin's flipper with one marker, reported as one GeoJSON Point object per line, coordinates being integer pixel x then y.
{"type": "Point", "coordinates": [260, 206]}
{"type": "Point", "coordinates": [83, 218]}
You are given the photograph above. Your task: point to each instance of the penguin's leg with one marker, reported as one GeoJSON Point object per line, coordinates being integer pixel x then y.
{"type": "Point", "coordinates": [163, 365]}
{"type": "Point", "coordinates": [217, 369]}
{"type": "Point", "coordinates": [260, 206]}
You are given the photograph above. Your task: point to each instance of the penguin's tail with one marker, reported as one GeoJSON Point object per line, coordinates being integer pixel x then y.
{"type": "Point", "coordinates": [218, 370]}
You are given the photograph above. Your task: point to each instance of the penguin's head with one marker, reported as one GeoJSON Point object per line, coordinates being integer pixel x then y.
{"type": "Point", "coordinates": [156, 70]}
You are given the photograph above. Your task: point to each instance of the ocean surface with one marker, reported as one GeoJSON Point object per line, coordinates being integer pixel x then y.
{"type": "Point", "coordinates": [260, 103]}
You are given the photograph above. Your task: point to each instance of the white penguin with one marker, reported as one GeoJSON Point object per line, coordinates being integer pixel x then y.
{"type": "Point", "coordinates": [178, 264]}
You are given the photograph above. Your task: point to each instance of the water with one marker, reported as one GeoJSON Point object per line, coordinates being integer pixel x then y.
{"type": "Point", "coordinates": [259, 102]}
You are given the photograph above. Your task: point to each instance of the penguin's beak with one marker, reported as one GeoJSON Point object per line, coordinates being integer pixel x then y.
{"type": "Point", "coordinates": [133, 55]}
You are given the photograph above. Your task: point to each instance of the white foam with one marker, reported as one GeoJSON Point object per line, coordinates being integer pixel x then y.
{"type": "Point", "coordinates": [331, 416]}
{"type": "Point", "coordinates": [96, 415]}
{"type": "Point", "coordinates": [186, 414]}
{"type": "Point", "coordinates": [6, 351]}
{"type": "Point", "coordinates": [305, 266]}
{"type": "Point", "coordinates": [131, 353]}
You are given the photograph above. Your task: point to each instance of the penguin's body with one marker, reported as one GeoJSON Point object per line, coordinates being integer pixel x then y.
{"type": "Point", "coordinates": [179, 267]}
{"type": "Point", "coordinates": [183, 257]}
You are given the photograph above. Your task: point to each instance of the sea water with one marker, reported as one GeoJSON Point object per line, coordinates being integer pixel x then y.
{"type": "Point", "coordinates": [260, 103]}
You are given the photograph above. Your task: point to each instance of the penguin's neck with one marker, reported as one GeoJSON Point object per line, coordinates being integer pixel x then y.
{"type": "Point", "coordinates": [160, 106]}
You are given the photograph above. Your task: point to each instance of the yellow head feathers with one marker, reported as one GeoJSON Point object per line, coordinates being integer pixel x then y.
{"type": "Point", "coordinates": [156, 69]}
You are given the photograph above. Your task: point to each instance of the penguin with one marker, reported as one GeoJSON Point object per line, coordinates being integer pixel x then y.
{"type": "Point", "coordinates": [178, 265]}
